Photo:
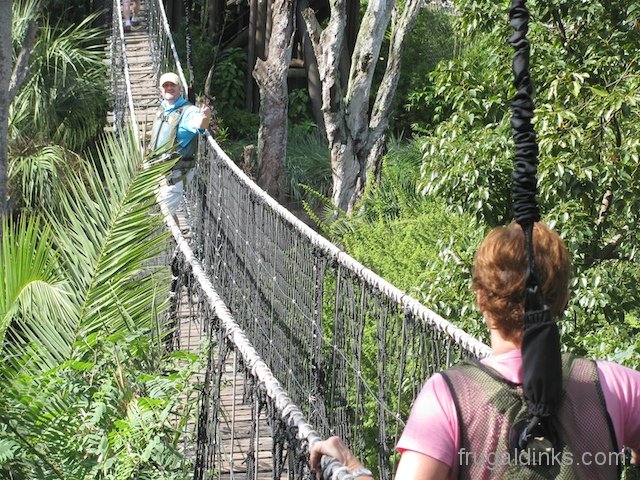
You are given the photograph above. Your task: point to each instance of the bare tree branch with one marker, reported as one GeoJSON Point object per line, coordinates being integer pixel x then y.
{"type": "Point", "coordinates": [313, 27]}
{"type": "Point", "coordinates": [608, 252]}
{"type": "Point", "coordinates": [381, 111]}
{"type": "Point", "coordinates": [604, 206]}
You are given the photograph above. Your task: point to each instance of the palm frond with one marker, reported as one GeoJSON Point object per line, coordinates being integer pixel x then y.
{"type": "Point", "coordinates": [88, 273]}
{"type": "Point", "coordinates": [34, 171]}
{"type": "Point", "coordinates": [23, 12]}
{"type": "Point", "coordinates": [64, 98]}
{"type": "Point", "coordinates": [106, 237]}
{"type": "Point", "coordinates": [35, 299]}
{"type": "Point", "coordinates": [8, 449]}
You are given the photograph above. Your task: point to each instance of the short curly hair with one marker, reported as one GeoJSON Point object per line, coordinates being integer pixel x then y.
{"type": "Point", "coordinates": [500, 268]}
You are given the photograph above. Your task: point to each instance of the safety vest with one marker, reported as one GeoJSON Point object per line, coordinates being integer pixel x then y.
{"type": "Point", "coordinates": [165, 129]}
{"type": "Point", "coordinates": [488, 405]}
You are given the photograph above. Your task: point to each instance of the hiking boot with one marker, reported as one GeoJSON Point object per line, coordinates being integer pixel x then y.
{"type": "Point", "coordinates": [135, 21]}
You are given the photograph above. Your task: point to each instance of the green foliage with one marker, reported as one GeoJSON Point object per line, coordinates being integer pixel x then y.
{"type": "Point", "coordinates": [396, 194]}
{"type": "Point", "coordinates": [101, 242]}
{"type": "Point", "coordinates": [34, 169]}
{"type": "Point", "coordinates": [87, 392]}
{"type": "Point", "coordinates": [584, 67]}
{"type": "Point", "coordinates": [307, 163]}
{"type": "Point", "coordinates": [299, 108]}
{"type": "Point", "coordinates": [228, 83]}
{"type": "Point", "coordinates": [240, 124]}
{"type": "Point", "coordinates": [431, 41]}
{"type": "Point", "coordinates": [61, 108]}
{"type": "Point", "coordinates": [330, 221]}
{"type": "Point", "coordinates": [203, 52]}
{"type": "Point", "coordinates": [31, 285]}
{"type": "Point", "coordinates": [402, 248]}
{"type": "Point", "coordinates": [415, 242]}
{"type": "Point", "coordinates": [73, 11]}
{"type": "Point", "coordinates": [109, 416]}
{"type": "Point", "coordinates": [66, 71]}
{"type": "Point", "coordinates": [470, 167]}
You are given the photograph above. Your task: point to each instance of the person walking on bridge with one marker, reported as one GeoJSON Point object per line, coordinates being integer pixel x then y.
{"type": "Point", "coordinates": [177, 125]}
{"type": "Point", "coordinates": [130, 12]}
{"type": "Point", "coordinates": [460, 423]}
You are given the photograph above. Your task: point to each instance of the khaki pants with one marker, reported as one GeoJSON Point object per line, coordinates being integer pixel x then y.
{"type": "Point", "coordinates": [172, 195]}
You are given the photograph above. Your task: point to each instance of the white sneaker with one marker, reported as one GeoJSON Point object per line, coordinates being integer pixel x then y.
{"type": "Point", "coordinates": [127, 26]}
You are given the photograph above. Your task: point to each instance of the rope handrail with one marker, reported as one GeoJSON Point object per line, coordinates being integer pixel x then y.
{"type": "Point", "coordinates": [117, 19]}
{"type": "Point", "coordinates": [233, 212]}
{"type": "Point", "coordinates": [236, 334]}
{"type": "Point", "coordinates": [158, 10]}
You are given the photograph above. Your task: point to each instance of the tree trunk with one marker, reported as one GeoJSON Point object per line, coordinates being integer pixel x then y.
{"type": "Point", "coordinates": [358, 142]}
{"type": "Point", "coordinates": [365, 56]}
{"type": "Point", "coordinates": [375, 147]}
{"type": "Point", "coordinates": [11, 79]}
{"type": "Point", "coordinates": [314, 86]}
{"type": "Point", "coordinates": [271, 76]}
{"type": "Point", "coordinates": [251, 55]}
{"type": "Point", "coordinates": [327, 47]}
{"type": "Point", "coordinates": [6, 61]}
{"type": "Point", "coordinates": [346, 118]}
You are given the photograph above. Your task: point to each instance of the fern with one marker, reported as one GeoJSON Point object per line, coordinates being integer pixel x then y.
{"type": "Point", "coordinates": [8, 449]}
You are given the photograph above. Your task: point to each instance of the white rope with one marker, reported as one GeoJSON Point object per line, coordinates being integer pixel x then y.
{"type": "Point", "coordinates": [167, 31]}
{"type": "Point", "coordinates": [127, 78]}
{"type": "Point", "coordinates": [290, 412]}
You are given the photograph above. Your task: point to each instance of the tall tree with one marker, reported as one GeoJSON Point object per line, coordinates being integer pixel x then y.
{"type": "Point", "coordinates": [356, 132]}
{"type": "Point", "coordinates": [271, 76]}
{"type": "Point", "coordinates": [11, 79]}
{"type": "Point", "coordinates": [6, 61]}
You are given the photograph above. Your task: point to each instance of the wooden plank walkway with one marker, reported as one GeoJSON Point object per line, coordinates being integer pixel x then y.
{"type": "Point", "coordinates": [235, 416]}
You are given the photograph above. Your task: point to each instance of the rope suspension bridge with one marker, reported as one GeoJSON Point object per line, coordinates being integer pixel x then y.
{"type": "Point", "coordinates": [302, 341]}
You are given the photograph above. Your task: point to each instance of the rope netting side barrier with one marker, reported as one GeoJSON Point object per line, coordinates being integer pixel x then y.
{"type": "Point", "coordinates": [163, 49]}
{"type": "Point", "coordinates": [348, 348]}
{"type": "Point", "coordinates": [230, 441]}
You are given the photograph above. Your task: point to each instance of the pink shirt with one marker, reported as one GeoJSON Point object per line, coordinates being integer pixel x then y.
{"type": "Point", "coordinates": [432, 428]}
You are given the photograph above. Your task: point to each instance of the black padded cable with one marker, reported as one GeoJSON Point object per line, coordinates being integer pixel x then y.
{"type": "Point", "coordinates": [541, 358]}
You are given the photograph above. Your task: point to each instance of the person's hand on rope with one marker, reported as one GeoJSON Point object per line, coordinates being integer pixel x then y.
{"type": "Point", "coordinates": [335, 447]}
{"type": "Point", "coordinates": [205, 113]}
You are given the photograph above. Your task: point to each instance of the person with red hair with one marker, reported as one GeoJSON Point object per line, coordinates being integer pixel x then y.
{"type": "Point", "coordinates": [460, 422]}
